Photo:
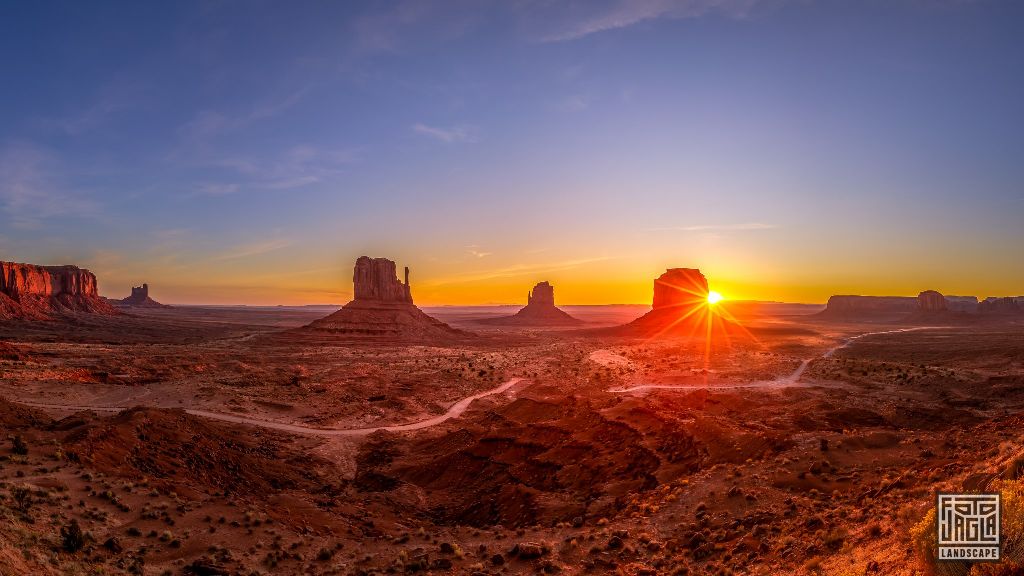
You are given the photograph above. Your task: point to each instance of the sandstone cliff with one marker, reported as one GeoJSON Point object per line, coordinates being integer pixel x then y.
{"type": "Point", "coordinates": [382, 309]}
{"type": "Point", "coordinates": [32, 292]}
{"type": "Point", "coordinates": [540, 310]}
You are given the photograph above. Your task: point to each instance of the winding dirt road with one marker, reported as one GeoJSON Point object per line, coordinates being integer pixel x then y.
{"type": "Point", "coordinates": [454, 411]}
{"type": "Point", "coordinates": [785, 380]}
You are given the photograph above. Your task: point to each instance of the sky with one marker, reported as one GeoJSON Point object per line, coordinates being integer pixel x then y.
{"type": "Point", "coordinates": [247, 152]}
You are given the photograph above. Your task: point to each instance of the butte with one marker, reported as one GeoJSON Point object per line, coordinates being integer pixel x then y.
{"type": "Point", "coordinates": [540, 310]}
{"type": "Point", "coordinates": [382, 309]}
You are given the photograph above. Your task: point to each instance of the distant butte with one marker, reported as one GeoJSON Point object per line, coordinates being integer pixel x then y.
{"type": "Point", "coordinates": [931, 301]}
{"type": "Point", "coordinates": [32, 292]}
{"type": "Point", "coordinates": [852, 308]}
{"type": "Point", "coordinates": [140, 299]}
{"type": "Point", "coordinates": [679, 307]}
{"type": "Point", "coordinates": [540, 310]}
{"type": "Point", "coordinates": [382, 308]}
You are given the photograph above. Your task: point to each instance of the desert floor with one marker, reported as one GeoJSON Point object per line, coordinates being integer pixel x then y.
{"type": "Point", "coordinates": [221, 441]}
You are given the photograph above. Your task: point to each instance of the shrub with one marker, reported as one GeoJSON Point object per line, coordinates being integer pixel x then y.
{"type": "Point", "coordinates": [71, 537]}
{"type": "Point", "coordinates": [18, 446]}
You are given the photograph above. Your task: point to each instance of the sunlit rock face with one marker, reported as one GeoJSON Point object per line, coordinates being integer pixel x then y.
{"type": "Point", "coordinates": [680, 287]}
{"type": "Point", "coordinates": [540, 310]}
{"type": "Point", "coordinates": [375, 279]}
{"type": "Point", "coordinates": [931, 301]}
{"type": "Point", "coordinates": [382, 308]}
{"type": "Point", "coordinates": [29, 291]}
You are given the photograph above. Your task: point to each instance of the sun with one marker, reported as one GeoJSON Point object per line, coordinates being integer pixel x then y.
{"type": "Point", "coordinates": [714, 297]}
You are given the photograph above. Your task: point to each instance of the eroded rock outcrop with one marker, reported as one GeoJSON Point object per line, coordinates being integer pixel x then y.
{"type": "Point", "coordinates": [32, 292]}
{"type": "Point", "coordinates": [1011, 305]}
{"type": "Point", "coordinates": [382, 308]}
{"type": "Point", "coordinates": [540, 310]}
{"type": "Point", "coordinates": [140, 299]}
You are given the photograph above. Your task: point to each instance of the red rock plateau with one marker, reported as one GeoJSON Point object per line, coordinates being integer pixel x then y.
{"type": "Point", "coordinates": [140, 299]}
{"type": "Point", "coordinates": [382, 308]}
{"type": "Point", "coordinates": [32, 292]}
{"type": "Point", "coordinates": [540, 310]}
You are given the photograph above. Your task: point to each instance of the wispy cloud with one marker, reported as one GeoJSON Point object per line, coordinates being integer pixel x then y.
{"type": "Point", "coordinates": [215, 189]}
{"type": "Point", "coordinates": [253, 249]}
{"type": "Point", "coordinates": [208, 124]}
{"type": "Point", "coordinates": [576, 103]}
{"type": "Point", "coordinates": [297, 167]}
{"type": "Point", "coordinates": [715, 227]}
{"type": "Point", "coordinates": [626, 13]}
{"type": "Point", "coordinates": [111, 99]}
{"type": "Point", "coordinates": [399, 25]}
{"type": "Point", "coordinates": [29, 189]}
{"type": "Point", "coordinates": [515, 271]}
{"type": "Point", "coordinates": [381, 31]}
{"type": "Point", "coordinates": [447, 135]}
{"type": "Point", "coordinates": [476, 252]}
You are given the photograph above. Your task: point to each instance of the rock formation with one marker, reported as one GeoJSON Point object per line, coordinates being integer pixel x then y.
{"type": "Point", "coordinates": [382, 308]}
{"type": "Point", "coordinates": [680, 287]}
{"type": "Point", "coordinates": [32, 292]}
{"type": "Point", "coordinates": [679, 308]}
{"type": "Point", "coordinates": [140, 299]}
{"type": "Point", "coordinates": [869, 307]}
{"type": "Point", "coordinates": [931, 301]}
{"type": "Point", "coordinates": [375, 279]}
{"type": "Point", "coordinates": [968, 304]}
{"type": "Point", "coordinates": [1002, 306]}
{"type": "Point", "coordinates": [540, 310]}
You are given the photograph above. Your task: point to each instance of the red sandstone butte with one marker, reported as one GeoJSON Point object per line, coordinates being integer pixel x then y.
{"type": "Point", "coordinates": [382, 308]}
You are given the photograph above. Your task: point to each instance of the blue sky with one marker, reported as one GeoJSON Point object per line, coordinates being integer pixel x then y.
{"type": "Point", "coordinates": [247, 152]}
